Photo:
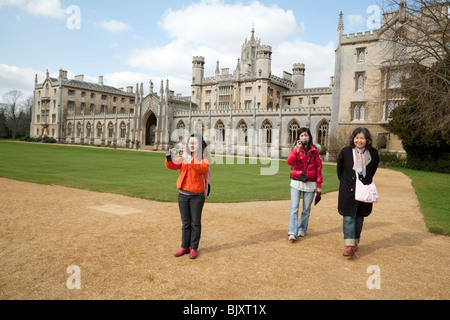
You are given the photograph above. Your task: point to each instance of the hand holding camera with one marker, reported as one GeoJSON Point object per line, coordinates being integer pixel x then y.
{"type": "Point", "coordinates": [301, 144]}
{"type": "Point", "coordinates": [175, 155]}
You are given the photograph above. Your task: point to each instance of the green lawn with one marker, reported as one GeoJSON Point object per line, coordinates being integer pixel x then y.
{"type": "Point", "coordinates": [144, 175]}
{"type": "Point", "coordinates": [432, 190]}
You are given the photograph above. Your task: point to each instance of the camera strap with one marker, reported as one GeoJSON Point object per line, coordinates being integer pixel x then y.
{"type": "Point", "coordinates": [301, 164]}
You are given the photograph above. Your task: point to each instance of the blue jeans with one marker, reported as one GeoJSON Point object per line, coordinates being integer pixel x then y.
{"type": "Point", "coordinates": [191, 207]}
{"type": "Point", "coordinates": [352, 229]}
{"type": "Point", "coordinates": [296, 228]}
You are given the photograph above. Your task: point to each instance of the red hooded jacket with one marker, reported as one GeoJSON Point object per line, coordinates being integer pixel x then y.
{"type": "Point", "coordinates": [311, 162]}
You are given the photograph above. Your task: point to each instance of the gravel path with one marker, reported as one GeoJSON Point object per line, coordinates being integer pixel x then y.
{"type": "Point", "coordinates": [63, 243]}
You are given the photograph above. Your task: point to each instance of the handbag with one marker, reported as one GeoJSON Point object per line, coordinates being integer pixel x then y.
{"type": "Point", "coordinates": [365, 193]}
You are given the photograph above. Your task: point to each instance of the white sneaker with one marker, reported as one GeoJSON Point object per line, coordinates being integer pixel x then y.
{"type": "Point", "coordinates": [292, 238]}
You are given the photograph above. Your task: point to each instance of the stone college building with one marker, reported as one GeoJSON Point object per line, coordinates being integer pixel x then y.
{"type": "Point", "coordinates": [247, 110]}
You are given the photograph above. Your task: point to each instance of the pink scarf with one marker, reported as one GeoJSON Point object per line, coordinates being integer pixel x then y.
{"type": "Point", "coordinates": [360, 163]}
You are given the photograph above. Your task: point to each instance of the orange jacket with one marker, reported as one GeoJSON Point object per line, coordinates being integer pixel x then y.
{"type": "Point", "coordinates": [191, 175]}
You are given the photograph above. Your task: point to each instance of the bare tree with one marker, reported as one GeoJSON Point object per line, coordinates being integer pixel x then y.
{"type": "Point", "coordinates": [420, 39]}
{"type": "Point", "coordinates": [13, 110]}
{"type": "Point", "coordinates": [3, 120]}
{"type": "Point", "coordinates": [25, 117]}
{"type": "Point", "coordinates": [335, 144]}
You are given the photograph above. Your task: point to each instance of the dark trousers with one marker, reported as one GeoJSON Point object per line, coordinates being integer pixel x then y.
{"type": "Point", "coordinates": [191, 216]}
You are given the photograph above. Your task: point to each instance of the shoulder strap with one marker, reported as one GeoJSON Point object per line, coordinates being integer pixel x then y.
{"type": "Point", "coordinates": [301, 164]}
{"type": "Point", "coordinates": [354, 162]}
{"type": "Point", "coordinates": [206, 181]}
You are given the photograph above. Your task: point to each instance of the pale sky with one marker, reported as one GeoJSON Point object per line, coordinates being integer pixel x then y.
{"type": "Point", "coordinates": [130, 42]}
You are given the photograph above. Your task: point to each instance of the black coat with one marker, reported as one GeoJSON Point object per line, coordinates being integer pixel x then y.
{"type": "Point", "coordinates": [347, 205]}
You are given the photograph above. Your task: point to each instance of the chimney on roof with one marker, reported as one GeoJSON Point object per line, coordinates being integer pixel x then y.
{"type": "Point", "coordinates": [100, 80]}
{"type": "Point", "coordinates": [62, 75]}
{"type": "Point", "coordinates": [79, 77]}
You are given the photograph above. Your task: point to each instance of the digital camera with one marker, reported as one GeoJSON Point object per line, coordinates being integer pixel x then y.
{"type": "Point", "coordinates": [173, 154]}
{"type": "Point", "coordinates": [303, 178]}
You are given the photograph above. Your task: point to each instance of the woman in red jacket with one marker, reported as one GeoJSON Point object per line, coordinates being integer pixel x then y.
{"type": "Point", "coordinates": [306, 178]}
{"type": "Point", "coordinates": [193, 166]}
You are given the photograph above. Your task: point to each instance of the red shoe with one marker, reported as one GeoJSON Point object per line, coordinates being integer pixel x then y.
{"type": "Point", "coordinates": [350, 251]}
{"type": "Point", "coordinates": [193, 254]}
{"type": "Point", "coordinates": [181, 252]}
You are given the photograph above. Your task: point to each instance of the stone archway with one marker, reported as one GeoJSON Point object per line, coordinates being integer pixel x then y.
{"type": "Point", "coordinates": [150, 130]}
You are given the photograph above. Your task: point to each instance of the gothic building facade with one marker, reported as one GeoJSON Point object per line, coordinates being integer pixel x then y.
{"type": "Point", "coordinates": [249, 111]}
{"type": "Point", "coordinates": [246, 111]}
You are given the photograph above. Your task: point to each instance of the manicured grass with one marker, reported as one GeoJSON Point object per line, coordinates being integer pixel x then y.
{"type": "Point", "coordinates": [143, 174]}
{"type": "Point", "coordinates": [432, 190]}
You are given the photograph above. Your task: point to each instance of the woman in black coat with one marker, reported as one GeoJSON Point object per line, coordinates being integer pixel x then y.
{"type": "Point", "coordinates": [366, 165]}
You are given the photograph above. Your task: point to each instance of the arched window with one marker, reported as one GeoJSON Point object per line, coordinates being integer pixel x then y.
{"type": "Point", "coordinates": [199, 127]}
{"type": "Point", "coordinates": [99, 130]}
{"type": "Point", "coordinates": [181, 128]}
{"type": "Point", "coordinates": [110, 130]}
{"type": "Point", "coordinates": [356, 112]}
{"type": "Point", "coordinates": [220, 131]}
{"type": "Point", "coordinates": [78, 129]}
{"type": "Point", "coordinates": [88, 129]}
{"type": "Point", "coordinates": [267, 132]}
{"type": "Point", "coordinates": [69, 129]}
{"type": "Point", "coordinates": [242, 128]}
{"type": "Point", "coordinates": [391, 108]}
{"type": "Point", "coordinates": [293, 132]}
{"type": "Point", "coordinates": [359, 112]}
{"type": "Point", "coordinates": [322, 133]}
{"type": "Point", "coordinates": [123, 130]}
{"type": "Point", "coordinates": [361, 55]}
{"type": "Point", "coordinates": [360, 82]}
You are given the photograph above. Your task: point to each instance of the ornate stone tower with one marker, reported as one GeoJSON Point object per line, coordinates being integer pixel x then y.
{"type": "Point", "coordinates": [299, 75]}
{"type": "Point", "coordinates": [249, 54]}
{"type": "Point", "coordinates": [198, 72]}
{"type": "Point", "coordinates": [264, 62]}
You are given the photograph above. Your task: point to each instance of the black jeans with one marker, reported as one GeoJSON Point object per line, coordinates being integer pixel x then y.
{"type": "Point", "coordinates": [191, 216]}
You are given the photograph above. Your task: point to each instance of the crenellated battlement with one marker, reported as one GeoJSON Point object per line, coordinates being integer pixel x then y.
{"type": "Point", "coordinates": [282, 82]}
{"type": "Point", "coordinates": [359, 37]}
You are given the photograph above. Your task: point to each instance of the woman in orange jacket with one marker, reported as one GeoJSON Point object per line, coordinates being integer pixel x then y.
{"type": "Point", "coordinates": [193, 166]}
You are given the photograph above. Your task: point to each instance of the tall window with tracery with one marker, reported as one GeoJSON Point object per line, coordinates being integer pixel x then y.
{"type": "Point", "coordinates": [267, 132]}
{"type": "Point", "coordinates": [359, 112]}
{"type": "Point", "coordinates": [242, 138]}
{"type": "Point", "coordinates": [220, 132]}
{"type": "Point", "coordinates": [293, 132]}
{"type": "Point", "coordinates": [123, 130]}
{"type": "Point", "coordinates": [181, 130]}
{"type": "Point", "coordinates": [110, 130]}
{"type": "Point", "coordinates": [322, 133]}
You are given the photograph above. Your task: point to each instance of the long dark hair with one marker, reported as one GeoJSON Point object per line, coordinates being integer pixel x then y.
{"type": "Point", "coordinates": [366, 133]}
{"type": "Point", "coordinates": [199, 153]}
{"type": "Point", "coordinates": [310, 142]}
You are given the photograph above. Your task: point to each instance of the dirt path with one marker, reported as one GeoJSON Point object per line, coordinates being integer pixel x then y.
{"type": "Point", "coordinates": [123, 248]}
